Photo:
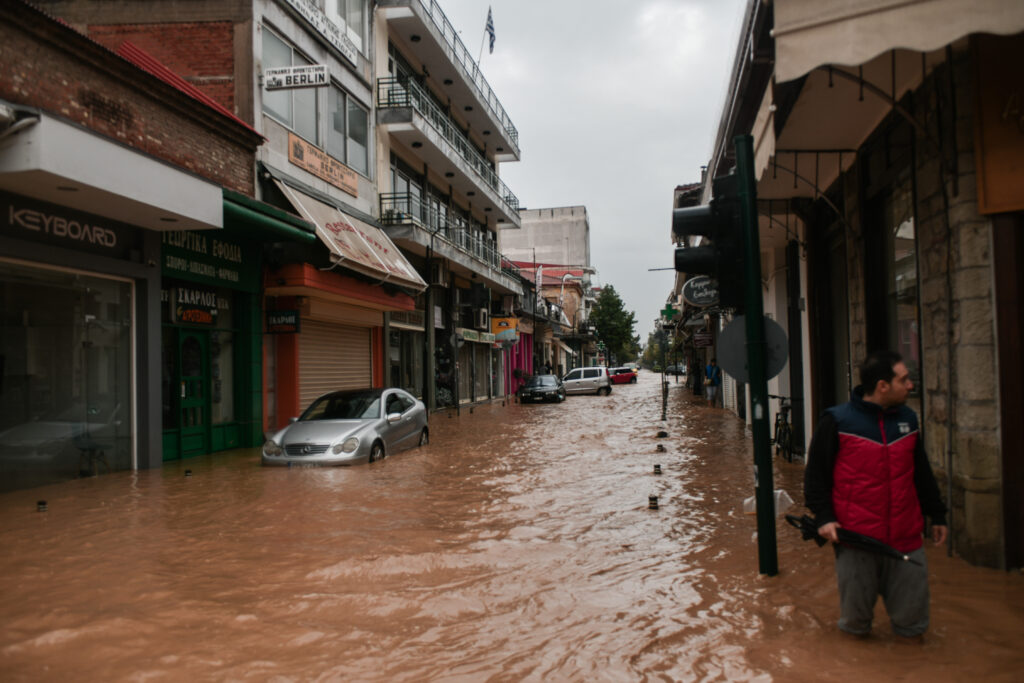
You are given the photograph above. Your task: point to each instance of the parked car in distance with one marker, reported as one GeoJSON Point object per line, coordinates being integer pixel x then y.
{"type": "Point", "coordinates": [623, 376]}
{"type": "Point", "coordinates": [675, 370]}
{"type": "Point", "coordinates": [348, 427]}
{"type": "Point", "coordinates": [592, 380]}
{"type": "Point", "coordinates": [542, 388]}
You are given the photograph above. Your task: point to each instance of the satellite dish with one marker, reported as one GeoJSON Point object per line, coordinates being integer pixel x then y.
{"type": "Point", "coordinates": [732, 349]}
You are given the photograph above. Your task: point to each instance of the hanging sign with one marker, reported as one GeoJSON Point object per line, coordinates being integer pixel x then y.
{"type": "Point", "coordinates": [701, 291]}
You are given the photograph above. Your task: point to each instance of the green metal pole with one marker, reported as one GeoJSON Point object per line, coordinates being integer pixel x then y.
{"type": "Point", "coordinates": [756, 353]}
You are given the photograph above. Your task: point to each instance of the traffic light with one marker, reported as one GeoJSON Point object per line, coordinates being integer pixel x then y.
{"type": "Point", "coordinates": [720, 222]}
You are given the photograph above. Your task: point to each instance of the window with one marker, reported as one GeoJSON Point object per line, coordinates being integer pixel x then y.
{"type": "Point", "coordinates": [295, 108]}
{"type": "Point", "coordinates": [575, 374]}
{"type": "Point", "coordinates": [348, 133]}
{"type": "Point", "coordinates": [350, 16]}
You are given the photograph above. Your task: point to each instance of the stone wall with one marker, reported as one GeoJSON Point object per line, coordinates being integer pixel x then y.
{"type": "Point", "coordinates": [958, 346]}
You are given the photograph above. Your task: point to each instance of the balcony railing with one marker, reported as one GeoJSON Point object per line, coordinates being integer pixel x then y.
{"type": "Point", "coordinates": [395, 92]}
{"type": "Point", "coordinates": [462, 56]}
{"type": "Point", "coordinates": [401, 208]}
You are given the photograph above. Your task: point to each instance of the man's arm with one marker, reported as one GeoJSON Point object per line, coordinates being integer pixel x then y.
{"type": "Point", "coordinates": [821, 458]}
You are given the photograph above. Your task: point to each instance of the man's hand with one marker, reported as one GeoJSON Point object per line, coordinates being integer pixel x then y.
{"type": "Point", "coordinates": [939, 534]}
{"type": "Point", "coordinates": [829, 531]}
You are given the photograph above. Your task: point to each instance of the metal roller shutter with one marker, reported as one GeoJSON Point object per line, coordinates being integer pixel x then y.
{"type": "Point", "coordinates": [332, 357]}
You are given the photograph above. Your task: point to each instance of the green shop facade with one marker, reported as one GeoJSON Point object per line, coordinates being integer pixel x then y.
{"type": "Point", "coordinates": [212, 327]}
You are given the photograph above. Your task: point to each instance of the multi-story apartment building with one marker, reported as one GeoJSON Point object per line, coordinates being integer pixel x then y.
{"type": "Point", "coordinates": [441, 136]}
{"type": "Point", "coordinates": [552, 249]}
{"type": "Point", "coordinates": [363, 146]}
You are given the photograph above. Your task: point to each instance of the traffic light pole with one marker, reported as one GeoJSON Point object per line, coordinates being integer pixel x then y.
{"type": "Point", "coordinates": [756, 353]}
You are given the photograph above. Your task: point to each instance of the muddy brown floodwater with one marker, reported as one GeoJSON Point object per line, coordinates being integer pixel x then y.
{"type": "Point", "coordinates": [517, 546]}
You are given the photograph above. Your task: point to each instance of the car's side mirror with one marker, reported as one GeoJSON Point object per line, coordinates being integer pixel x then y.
{"type": "Point", "coordinates": [394, 417]}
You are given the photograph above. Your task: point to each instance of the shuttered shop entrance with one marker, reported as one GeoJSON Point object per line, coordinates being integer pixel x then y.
{"type": "Point", "coordinates": [332, 357]}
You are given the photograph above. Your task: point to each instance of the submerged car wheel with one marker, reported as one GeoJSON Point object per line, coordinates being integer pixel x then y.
{"type": "Point", "coordinates": [376, 452]}
{"type": "Point", "coordinates": [424, 437]}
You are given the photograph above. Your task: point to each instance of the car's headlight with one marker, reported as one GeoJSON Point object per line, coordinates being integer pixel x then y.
{"type": "Point", "coordinates": [349, 445]}
{"type": "Point", "coordinates": [271, 448]}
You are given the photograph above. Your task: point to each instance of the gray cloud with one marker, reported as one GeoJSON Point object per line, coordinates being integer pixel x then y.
{"type": "Point", "coordinates": [616, 103]}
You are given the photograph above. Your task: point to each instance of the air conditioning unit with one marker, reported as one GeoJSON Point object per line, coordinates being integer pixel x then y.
{"type": "Point", "coordinates": [438, 274]}
{"type": "Point", "coordinates": [481, 319]}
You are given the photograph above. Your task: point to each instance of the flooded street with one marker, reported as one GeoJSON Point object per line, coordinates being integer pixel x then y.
{"type": "Point", "coordinates": [517, 546]}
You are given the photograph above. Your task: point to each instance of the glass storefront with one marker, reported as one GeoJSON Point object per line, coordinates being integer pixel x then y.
{"type": "Point", "coordinates": [199, 368]}
{"type": "Point", "coordinates": [65, 375]}
{"type": "Point", "coordinates": [405, 360]}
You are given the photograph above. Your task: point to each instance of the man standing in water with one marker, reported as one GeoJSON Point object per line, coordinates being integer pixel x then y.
{"type": "Point", "coordinates": [867, 472]}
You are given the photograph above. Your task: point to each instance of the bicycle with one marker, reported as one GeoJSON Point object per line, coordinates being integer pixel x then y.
{"type": "Point", "coordinates": [783, 439]}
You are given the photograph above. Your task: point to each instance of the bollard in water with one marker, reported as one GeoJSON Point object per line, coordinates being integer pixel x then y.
{"type": "Point", "coordinates": [652, 502]}
{"type": "Point", "coordinates": [660, 448]}
{"type": "Point", "coordinates": [188, 473]}
{"type": "Point", "coordinates": [41, 506]}
{"type": "Point", "coordinates": [471, 410]}
{"type": "Point", "coordinates": [657, 469]}
{"type": "Point", "coordinates": [662, 434]}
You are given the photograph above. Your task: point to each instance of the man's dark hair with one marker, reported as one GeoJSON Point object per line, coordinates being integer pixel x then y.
{"type": "Point", "coordinates": [714, 360]}
{"type": "Point", "coordinates": [878, 367]}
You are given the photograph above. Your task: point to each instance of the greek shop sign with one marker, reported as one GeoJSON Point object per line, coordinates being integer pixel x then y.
{"type": "Point", "coordinates": [194, 306]}
{"type": "Point", "coordinates": [202, 258]}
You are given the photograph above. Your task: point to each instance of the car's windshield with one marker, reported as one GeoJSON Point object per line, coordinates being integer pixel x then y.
{"type": "Point", "coordinates": [344, 407]}
{"type": "Point", "coordinates": [542, 381]}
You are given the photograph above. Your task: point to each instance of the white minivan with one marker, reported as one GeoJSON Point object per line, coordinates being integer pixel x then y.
{"type": "Point", "coordinates": [592, 380]}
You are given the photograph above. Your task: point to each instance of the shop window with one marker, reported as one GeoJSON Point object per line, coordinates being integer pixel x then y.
{"type": "Point", "coordinates": [65, 375]}
{"type": "Point", "coordinates": [222, 395]}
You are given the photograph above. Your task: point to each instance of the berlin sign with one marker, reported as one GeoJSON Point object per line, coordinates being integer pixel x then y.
{"type": "Point", "coordinates": [701, 291]}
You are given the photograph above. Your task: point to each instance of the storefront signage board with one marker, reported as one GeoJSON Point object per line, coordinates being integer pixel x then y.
{"type": "Point", "coordinates": [28, 219]}
{"type": "Point", "coordinates": [283, 322]}
{"type": "Point", "coordinates": [209, 258]}
{"type": "Point", "coordinates": [194, 305]}
{"type": "Point", "coordinates": [322, 165]}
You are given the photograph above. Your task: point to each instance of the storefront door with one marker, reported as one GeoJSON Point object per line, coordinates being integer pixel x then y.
{"type": "Point", "coordinates": [194, 380]}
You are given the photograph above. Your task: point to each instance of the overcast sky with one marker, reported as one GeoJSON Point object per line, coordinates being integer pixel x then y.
{"type": "Point", "coordinates": [616, 103]}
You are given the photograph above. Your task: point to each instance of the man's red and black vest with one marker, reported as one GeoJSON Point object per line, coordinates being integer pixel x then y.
{"type": "Point", "coordinates": [873, 479]}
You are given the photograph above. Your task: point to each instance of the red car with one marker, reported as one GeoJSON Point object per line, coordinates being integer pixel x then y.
{"type": "Point", "coordinates": [622, 376]}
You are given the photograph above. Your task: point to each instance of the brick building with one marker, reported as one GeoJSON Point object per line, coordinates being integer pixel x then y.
{"type": "Point", "coordinates": [104, 158]}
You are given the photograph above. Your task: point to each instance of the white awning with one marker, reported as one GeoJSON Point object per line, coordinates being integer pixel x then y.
{"type": "Point", "coordinates": [811, 33]}
{"type": "Point", "coordinates": [59, 162]}
{"type": "Point", "coordinates": [565, 347]}
{"type": "Point", "coordinates": [355, 244]}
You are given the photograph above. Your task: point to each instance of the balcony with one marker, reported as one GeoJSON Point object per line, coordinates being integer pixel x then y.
{"type": "Point", "coordinates": [422, 27]}
{"type": "Point", "coordinates": [409, 114]}
{"type": "Point", "coordinates": [450, 236]}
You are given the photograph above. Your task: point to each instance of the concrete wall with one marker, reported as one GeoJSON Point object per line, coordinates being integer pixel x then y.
{"type": "Point", "coordinates": [557, 236]}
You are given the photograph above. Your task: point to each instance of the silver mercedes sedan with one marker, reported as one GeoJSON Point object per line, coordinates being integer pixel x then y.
{"type": "Point", "coordinates": [349, 427]}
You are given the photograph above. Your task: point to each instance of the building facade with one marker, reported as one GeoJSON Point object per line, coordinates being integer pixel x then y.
{"type": "Point", "coordinates": [890, 213]}
{"type": "Point", "coordinates": [104, 161]}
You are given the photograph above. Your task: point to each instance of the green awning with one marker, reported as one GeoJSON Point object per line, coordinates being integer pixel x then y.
{"type": "Point", "coordinates": [252, 218]}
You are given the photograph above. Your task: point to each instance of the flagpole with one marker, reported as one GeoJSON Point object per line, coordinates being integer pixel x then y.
{"type": "Point", "coordinates": [482, 39]}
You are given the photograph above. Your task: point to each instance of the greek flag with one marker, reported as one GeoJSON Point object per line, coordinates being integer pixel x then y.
{"type": "Point", "coordinates": [489, 28]}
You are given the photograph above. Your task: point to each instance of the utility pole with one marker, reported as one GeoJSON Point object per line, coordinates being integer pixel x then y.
{"type": "Point", "coordinates": [756, 354]}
